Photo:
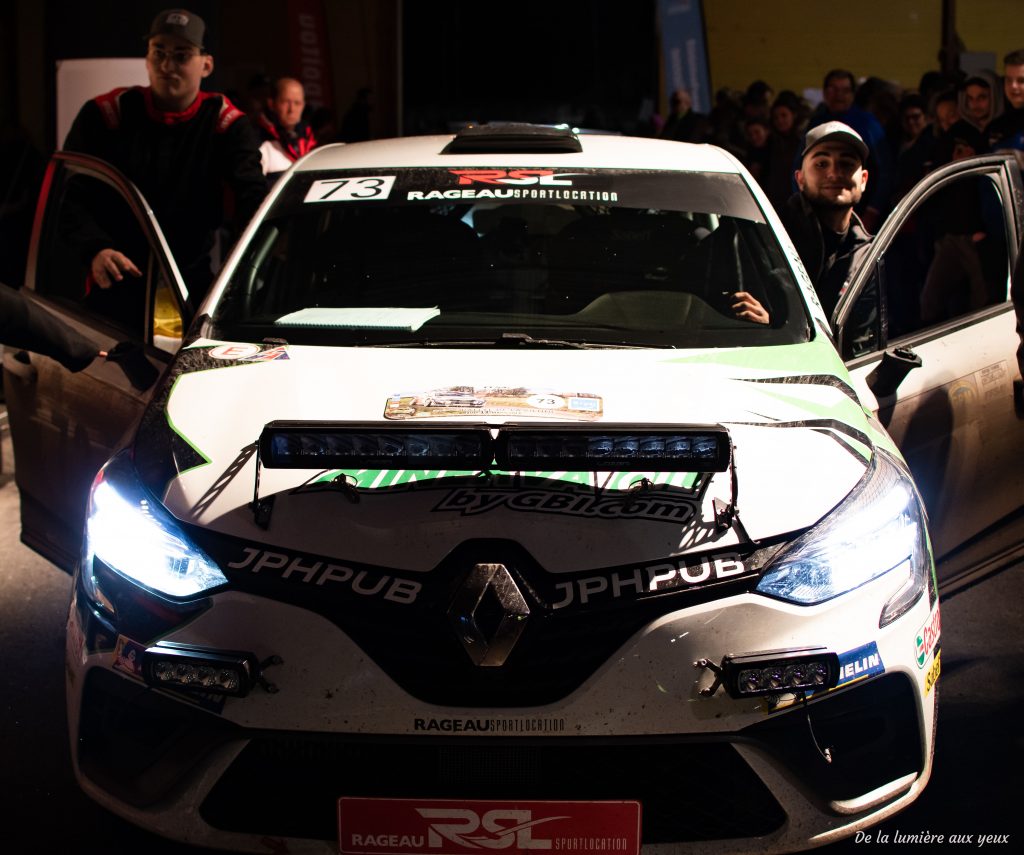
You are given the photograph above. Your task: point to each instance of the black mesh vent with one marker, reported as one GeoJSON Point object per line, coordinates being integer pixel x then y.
{"type": "Point", "coordinates": [283, 786]}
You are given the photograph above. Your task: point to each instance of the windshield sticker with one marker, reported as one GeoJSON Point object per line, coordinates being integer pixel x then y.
{"type": "Point", "coordinates": [382, 318]}
{"type": "Point", "coordinates": [355, 189]}
{"type": "Point", "coordinates": [518, 401]}
{"type": "Point", "coordinates": [521, 177]}
{"type": "Point", "coordinates": [543, 184]}
{"type": "Point", "coordinates": [542, 193]}
{"type": "Point", "coordinates": [926, 639]}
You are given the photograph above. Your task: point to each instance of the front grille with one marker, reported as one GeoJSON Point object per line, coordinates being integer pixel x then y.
{"type": "Point", "coordinates": [416, 643]}
{"type": "Point", "coordinates": [289, 786]}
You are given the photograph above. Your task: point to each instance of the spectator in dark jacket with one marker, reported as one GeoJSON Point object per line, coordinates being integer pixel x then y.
{"type": "Point", "coordinates": [823, 225]}
{"type": "Point", "coordinates": [182, 147]}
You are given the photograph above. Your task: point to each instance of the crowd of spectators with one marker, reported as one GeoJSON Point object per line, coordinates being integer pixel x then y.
{"type": "Point", "coordinates": [909, 132]}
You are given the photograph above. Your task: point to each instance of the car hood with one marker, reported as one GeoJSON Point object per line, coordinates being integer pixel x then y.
{"type": "Point", "coordinates": [801, 441]}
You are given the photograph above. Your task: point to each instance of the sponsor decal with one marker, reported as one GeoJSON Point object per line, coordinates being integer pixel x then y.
{"type": "Point", "coordinates": [594, 484]}
{"type": "Point", "coordinates": [128, 656]}
{"type": "Point", "coordinates": [489, 725]}
{"type": "Point", "coordinates": [445, 827]}
{"type": "Point", "coordinates": [545, 177]}
{"type": "Point", "coordinates": [355, 189]}
{"type": "Point", "coordinates": [927, 637]}
{"type": "Point", "coordinates": [248, 352]}
{"type": "Point", "coordinates": [304, 569]}
{"type": "Point", "coordinates": [269, 355]}
{"type": "Point", "coordinates": [665, 576]}
{"type": "Point", "coordinates": [516, 401]}
{"type": "Point", "coordinates": [542, 193]}
{"type": "Point", "coordinates": [859, 664]}
{"type": "Point", "coordinates": [854, 665]}
{"type": "Point", "coordinates": [932, 676]}
{"type": "Point", "coordinates": [235, 352]}
{"type": "Point", "coordinates": [652, 506]}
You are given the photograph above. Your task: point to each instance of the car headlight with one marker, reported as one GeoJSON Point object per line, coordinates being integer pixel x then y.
{"type": "Point", "coordinates": [130, 532]}
{"type": "Point", "coordinates": [879, 529]}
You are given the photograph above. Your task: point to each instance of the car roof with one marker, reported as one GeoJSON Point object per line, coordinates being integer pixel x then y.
{"type": "Point", "coordinates": [598, 151]}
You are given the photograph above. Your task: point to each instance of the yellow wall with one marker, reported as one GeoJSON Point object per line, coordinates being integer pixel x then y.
{"type": "Point", "coordinates": [792, 43]}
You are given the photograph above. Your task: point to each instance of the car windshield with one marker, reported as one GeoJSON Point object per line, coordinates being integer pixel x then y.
{"type": "Point", "coordinates": [538, 257]}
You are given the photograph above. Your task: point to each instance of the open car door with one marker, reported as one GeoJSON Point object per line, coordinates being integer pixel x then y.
{"type": "Point", "coordinates": [65, 425]}
{"type": "Point", "coordinates": [938, 361]}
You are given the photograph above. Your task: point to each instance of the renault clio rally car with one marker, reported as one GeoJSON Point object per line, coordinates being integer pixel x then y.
{"type": "Point", "coordinates": [651, 577]}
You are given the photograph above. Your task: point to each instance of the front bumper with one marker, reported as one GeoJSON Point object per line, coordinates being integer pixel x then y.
{"type": "Point", "coordinates": [713, 774]}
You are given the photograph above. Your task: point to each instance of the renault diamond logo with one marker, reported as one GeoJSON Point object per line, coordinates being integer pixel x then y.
{"type": "Point", "coordinates": [489, 614]}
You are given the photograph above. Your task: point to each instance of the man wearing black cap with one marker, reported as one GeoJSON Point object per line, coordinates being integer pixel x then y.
{"type": "Point", "coordinates": [179, 145]}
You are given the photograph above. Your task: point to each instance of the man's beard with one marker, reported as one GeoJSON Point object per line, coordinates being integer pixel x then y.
{"type": "Point", "coordinates": [823, 203]}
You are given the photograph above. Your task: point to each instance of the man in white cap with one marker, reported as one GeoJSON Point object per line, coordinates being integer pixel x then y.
{"type": "Point", "coordinates": [827, 232]}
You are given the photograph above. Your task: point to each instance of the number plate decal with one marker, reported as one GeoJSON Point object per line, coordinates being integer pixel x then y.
{"type": "Point", "coordinates": [441, 827]}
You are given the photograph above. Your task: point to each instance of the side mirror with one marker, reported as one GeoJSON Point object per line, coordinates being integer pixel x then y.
{"type": "Point", "coordinates": [890, 372]}
{"type": "Point", "coordinates": [131, 358]}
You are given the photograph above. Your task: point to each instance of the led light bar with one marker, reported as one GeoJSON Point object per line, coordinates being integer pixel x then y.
{"type": "Point", "coordinates": [580, 448]}
{"type": "Point", "coordinates": [192, 669]}
{"type": "Point", "coordinates": [766, 674]}
{"type": "Point", "coordinates": [611, 448]}
{"type": "Point", "coordinates": [310, 445]}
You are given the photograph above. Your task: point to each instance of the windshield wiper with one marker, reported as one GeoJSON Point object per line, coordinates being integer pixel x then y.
{"type": "Point", "coordinates": [510, 340]}
{"type": "Point", "coordinates": [521, 339]}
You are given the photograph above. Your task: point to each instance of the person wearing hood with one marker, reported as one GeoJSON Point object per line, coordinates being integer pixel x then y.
{"type": "Point", "coordinates": [980, 99]}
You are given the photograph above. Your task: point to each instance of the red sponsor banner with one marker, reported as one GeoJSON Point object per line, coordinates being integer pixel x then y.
{"type": "Point", "coordinates": [310, 51]}
{"type": "Point", "coordinates": [448, 827]}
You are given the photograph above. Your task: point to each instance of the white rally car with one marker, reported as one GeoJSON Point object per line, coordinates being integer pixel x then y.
{"type": "Point", "coordinates": [665, 585]}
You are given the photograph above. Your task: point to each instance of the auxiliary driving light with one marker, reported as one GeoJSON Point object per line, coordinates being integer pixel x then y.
{"type": "Point", "coordinates": [613, 448]}
{"type": "Point", "coordinates": [192, 669]}
{"type": "Point", "coordinates": [513, 448]}
{"type": "Point", "coordinates": [308, 445]}
{"type": "Point", "coordinates": [775, 674]}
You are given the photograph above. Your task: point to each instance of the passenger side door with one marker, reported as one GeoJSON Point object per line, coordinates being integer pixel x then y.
{"type": "Point", "coordinates": [940, 365]}
{"type": "Point", "coordinates": [65, 425]}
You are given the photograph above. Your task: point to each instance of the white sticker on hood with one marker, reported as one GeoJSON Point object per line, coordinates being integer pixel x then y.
{"type": "Point", "coordinates": [494, 401]}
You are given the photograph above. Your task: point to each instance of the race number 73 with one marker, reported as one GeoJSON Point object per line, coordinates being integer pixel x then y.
{"type": "Point", "coordinates": [350, 189]}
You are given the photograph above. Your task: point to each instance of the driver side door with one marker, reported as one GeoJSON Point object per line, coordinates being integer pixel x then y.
{"type": "Point", "coordinates": [65, 425]}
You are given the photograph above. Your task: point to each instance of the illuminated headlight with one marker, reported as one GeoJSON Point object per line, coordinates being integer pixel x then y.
{"type": "Point", "coordinates": [131, 533]}
{"type": "Point", "coordinates": [170, 666]}
{"type": "Point", "coordinates": [879, 529]}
